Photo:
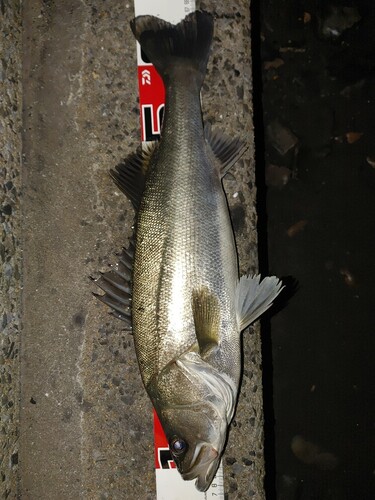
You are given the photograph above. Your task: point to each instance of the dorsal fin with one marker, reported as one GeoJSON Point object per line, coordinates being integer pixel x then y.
{"type": "Point", "coordinates": [224, 148]}
{"type": "Point", "coordinates": [130, 174]}
{"type": "Point", "coordinates": [254, 297]}
{"type": "Point", "coordinates": [116, 284]}
{"type": "Point", "coordinates": [206, 313]}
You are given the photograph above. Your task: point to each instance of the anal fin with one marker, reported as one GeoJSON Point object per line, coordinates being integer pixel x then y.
{"type": "Point", "coordinates": [254, 297]}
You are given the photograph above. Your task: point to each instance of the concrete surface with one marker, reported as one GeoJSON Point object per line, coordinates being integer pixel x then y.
{"type": "Point", "coordinates": [10, 248]}
{"type": "Point", "coordinates": [85, 421]}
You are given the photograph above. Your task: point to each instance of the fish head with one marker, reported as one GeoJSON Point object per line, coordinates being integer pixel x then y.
{"type": "Point", "coordinates": [195, 406]}
{"type": "Point", "coordinates": [196, 440]}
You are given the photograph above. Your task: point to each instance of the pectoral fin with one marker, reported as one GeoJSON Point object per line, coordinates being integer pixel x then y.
{"type": "Point", "coordinates": [206, 313]}
{"type": "Point", "coordinates": [224, 148]}
{"type": "Point", "coordinates": [254, 297]}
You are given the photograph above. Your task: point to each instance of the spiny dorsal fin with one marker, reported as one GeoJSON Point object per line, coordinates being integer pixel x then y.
{"type": "Point", "coordinates": [225, 149]}
{"type": "Point", "coordinates": [130, 175]}
{"type": "Point", "coordinates": [116, 284]}
{"type": "Point", "coordinates": [206, 313]}
{"type": "Point", "coordinates": [254, 297]}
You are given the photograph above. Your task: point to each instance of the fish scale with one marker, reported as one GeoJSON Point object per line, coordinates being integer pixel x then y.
{"type": "Point", "coordinates": [183, 205]}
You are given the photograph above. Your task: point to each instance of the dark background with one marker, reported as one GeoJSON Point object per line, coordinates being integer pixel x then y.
{"type": "Point", "coordinates": [314, 97]}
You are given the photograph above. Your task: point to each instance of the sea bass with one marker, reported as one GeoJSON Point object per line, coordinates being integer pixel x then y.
{"type": "Point", "coordinates": [188, 305]}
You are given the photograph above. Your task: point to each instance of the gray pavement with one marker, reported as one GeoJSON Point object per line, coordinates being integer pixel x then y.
{"type": "Point", "coordinates": [10, 246]}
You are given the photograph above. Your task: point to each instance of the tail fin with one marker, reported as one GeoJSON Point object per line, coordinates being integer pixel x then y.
{"type": "Point", "coordinates": [185, 45]}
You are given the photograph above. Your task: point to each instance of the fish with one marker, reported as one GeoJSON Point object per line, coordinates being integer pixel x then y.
{"type": "Point", "coordinates": [178, 283]}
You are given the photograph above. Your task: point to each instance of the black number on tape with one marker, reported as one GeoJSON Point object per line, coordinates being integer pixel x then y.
{"type": "Point", "coordinates": [165, 458]}
{"type": "Point", "coordinates": [151, 129]}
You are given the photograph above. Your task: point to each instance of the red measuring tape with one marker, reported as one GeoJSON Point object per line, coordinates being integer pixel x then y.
{"type": "Point", "coordinates": [169, 483]}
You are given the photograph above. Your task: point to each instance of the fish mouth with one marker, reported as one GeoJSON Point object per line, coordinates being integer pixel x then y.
{"type": "Point", "coordinates": [203, 466]}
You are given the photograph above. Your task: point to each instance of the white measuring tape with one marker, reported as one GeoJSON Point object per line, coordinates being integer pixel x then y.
{"type": "Point", "coordinates": [169, 483]}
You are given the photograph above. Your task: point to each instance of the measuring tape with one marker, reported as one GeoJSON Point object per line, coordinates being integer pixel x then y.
{"type": "Point", "coordinates": [169, 483]}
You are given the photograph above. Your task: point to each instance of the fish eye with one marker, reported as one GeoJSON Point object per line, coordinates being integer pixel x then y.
{"type": "Point", "coordinates": [177, 446]}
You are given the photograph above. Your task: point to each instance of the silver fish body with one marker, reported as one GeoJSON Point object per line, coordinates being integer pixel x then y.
{"type": "Point", "coordinates": [184, 244]}
{"type": "Point", "coordinates": [188, 304]}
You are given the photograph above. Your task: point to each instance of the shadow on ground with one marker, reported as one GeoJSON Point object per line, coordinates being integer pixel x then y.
{"type": "Point", "coordinates": [318, 102]}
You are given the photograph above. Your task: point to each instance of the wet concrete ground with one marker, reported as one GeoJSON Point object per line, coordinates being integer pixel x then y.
{"type": "Point", "coordinates": [317, 62]}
